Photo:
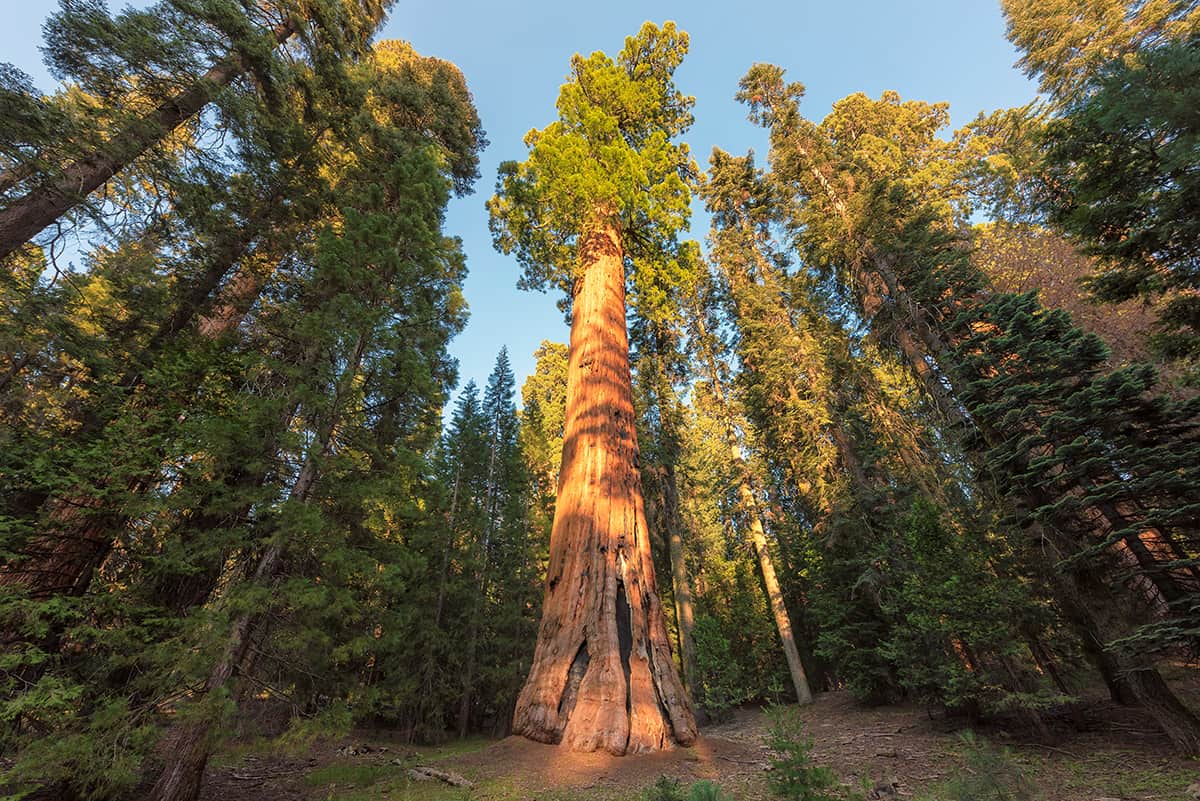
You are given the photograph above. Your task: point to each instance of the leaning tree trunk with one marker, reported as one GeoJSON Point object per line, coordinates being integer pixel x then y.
{"type": "Point", "coordinates": [602, 676]}
{"type": "Point", "coordinates": [783, 621]}
{"type": "Point", "coordinates": [749, 506]}
{"type": "Point", "coordinates": [24, 218]}
{"type": "Point", "coordinates": [685, 617]}
{"type": "Point", "coordinates": [192, 738]}
{"type": "Point", "coordinates": [1085, 600]}
{"type": "Point", "coordinates": [1100, 617]}
{"type": "Point", "coordinates": [670, 520]}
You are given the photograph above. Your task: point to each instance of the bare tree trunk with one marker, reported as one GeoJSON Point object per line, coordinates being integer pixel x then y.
{"type": "Point", "coordinates": [783, 621]}
{"type": "Point", "coordinates": [1131, 677]}
{"type": "Point", "coordinates": [61, 559]}
{"type": "Point", "coordinates": [192, 740]}
{"type": "Point", "coordinates": [464, 708]}
{"type": "Point", "coordinates": [602, 676]}
{"type": "Point", "coordinates": [666, 477]}
{"type": "Point", "coordinates": [685, 616]}
{"type": "Point", "coordinates": [1045, 662]}
{"type": "Point", "coordinates": [24, 218]}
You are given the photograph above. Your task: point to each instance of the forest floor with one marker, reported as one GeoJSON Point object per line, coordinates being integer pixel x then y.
{"type": "Point", "coordinates": [1108, 753]}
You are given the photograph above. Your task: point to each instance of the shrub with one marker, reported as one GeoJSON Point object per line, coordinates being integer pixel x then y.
{"type": "Point", "coordinates": [665, 789]}
{"type": "Point", "coordinates": [989, 774]}
{"type": "Point", "coordinates": [668, 789]}
{"type": "Point", "coordinates": [794, 775]}
{"type": "Point", "coordinates": [704, 790]}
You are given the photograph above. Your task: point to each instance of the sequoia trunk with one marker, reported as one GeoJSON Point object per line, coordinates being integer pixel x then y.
{"type": "Point", "coordinates": [602, 676]}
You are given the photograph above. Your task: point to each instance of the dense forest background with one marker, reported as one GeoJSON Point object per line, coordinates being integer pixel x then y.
{"type": "Point", "coordinates": [917, 419]}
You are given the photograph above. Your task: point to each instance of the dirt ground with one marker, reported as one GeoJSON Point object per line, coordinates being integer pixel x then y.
{"type": "Point", "coordinates": [1099, 753]}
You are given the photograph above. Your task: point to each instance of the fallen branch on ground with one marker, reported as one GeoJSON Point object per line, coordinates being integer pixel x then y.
{"type": "Point", "coordinates": [738, 761]}
{"type": "Point", "coordinates": [422, 774]}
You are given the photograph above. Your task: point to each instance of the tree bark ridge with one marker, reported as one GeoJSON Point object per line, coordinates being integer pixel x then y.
{"type": "Point", "coordinates": [600, 552]}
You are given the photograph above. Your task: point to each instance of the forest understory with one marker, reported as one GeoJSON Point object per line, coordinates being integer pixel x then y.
{"type": "Point", "coordinates": [1098, 751]}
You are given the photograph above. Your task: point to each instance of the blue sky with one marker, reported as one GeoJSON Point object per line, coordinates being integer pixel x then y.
{"type": "Point", "coordinates": [515, 56]}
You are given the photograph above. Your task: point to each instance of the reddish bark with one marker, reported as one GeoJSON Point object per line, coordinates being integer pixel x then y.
{"type": "Point", "coordinates": [602, 676]}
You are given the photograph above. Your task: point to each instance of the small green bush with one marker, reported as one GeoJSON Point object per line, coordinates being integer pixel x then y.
{"type": "Point", "coordinates": [794, 775]}
{"type": "Point", "coordinates": [668, 789]}
{"type": "Point", "coordinates": [705, 790]}
{"type": "Point", "coordinates": [665, 789]}
{"type": "Point", "coordinates": [989, 774]}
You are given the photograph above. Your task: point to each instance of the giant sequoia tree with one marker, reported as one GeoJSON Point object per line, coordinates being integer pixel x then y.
{"type": "Point", "coordinates": [604, 188]}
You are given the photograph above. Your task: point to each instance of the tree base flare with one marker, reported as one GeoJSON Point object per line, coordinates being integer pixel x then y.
{"type": "Point", "coordinates": [602, 677]}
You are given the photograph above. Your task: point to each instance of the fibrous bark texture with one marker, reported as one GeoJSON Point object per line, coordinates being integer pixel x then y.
{"type": "Point", "coordinates": [602, 676]}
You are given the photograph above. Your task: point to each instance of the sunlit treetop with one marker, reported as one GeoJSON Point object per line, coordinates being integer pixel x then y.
{"type": "Point", "coordinates": [739, 198]}
{"type": "Point", "coordinates": [1066, 42]}
{"type": "Point", "coordinates": [869, 164]}
{"type": "Point", "coordinates": [407, 101]}
{"type": "Point", "coordinates": [611, 158]}
{"type": "Point", "coordinates": [428, 97]}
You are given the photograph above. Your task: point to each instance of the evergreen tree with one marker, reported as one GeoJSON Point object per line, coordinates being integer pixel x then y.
{"type": "Point", "coordinates": [903, 256]}
{"type": "Point", "coordinates": [345, 319]}
{"type": "Point", "coordinates": [268, 461]}
{"type": "Point", "coordinates": [1119, 166]}
{"type": "Point", "coordinates": [604, 187]}
{"type": "Point", "coordinates": [500, 552]}
{"type": "Point", "coordinates": [749, 508]}
{"type": "Point", "coordinates": [147, 73]}
{"type": "Point", "coordinates": [544, 400]}
{"type": "Point", "coordinates": [659, 372]}
{"type": "Point", "coordinates": [1065, 42]}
